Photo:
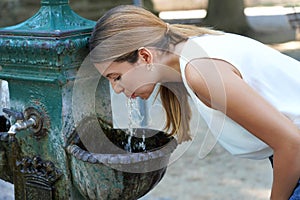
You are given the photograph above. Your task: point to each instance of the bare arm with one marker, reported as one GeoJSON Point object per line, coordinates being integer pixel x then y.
{"type": "Point", "coordinates": [216, 83]}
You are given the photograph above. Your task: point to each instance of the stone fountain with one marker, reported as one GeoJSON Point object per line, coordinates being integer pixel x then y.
{"type": "Point", "coordinates": [42, 147]}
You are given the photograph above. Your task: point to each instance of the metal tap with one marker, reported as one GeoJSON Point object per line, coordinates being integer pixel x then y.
{"type": "Point", "coordinates": [21, 123]}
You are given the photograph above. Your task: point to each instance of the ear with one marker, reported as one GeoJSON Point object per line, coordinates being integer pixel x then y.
{"type": "Point", "coordinates": [145, 55]}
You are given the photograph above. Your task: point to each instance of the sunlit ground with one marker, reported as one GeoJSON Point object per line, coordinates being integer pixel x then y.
{"type": "Point", "coordinates": [183, 14]}
{"type": "Point", "coordinates": [288, 45]}
{"type": "Point", "coordinates": [275, 10]}
{"type": "Point", "coordinates": [253, 11]}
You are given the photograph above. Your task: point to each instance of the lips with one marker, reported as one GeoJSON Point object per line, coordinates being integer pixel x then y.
{"type": "Point", "coordinates": [133, 96]}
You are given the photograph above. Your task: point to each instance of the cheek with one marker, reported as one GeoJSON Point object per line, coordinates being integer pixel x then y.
{"type": "Point", "coordinates": [145, 89]}
{"type": "Point", "coordinates": [134, 80]}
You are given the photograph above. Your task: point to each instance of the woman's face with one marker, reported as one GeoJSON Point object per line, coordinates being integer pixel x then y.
{"type": "Point", "coordinates": [134, 80]}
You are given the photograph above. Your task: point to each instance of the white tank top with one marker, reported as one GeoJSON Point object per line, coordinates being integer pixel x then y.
{"type": "Point", "coordinates": [275, 76]}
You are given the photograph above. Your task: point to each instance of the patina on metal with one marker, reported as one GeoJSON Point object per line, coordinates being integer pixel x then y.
{"type": "Point", "coordinates": [39, 60]}
{"type": "Point", "coordinates": [41, 153]}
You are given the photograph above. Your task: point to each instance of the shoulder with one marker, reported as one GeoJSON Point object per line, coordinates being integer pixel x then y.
{"type": "Point", "coordinates": [202, 69]}
{"type": "Point", "coordinates": [208, 77]}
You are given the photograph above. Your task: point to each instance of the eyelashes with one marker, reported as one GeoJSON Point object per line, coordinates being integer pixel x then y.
{"type": "Point", "coordinates": [117, 78]}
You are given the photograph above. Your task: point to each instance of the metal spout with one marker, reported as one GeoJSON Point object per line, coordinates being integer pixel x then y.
{"type": "Point", "coordinates": [30, 119]}
{"type": "Point", "coordinates": [22, 125]}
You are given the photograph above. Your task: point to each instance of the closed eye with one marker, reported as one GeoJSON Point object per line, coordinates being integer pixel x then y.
{"type": "Point", "coordinates": [114, 76]}
{"type": "Point", "coordinates": [117, 78]}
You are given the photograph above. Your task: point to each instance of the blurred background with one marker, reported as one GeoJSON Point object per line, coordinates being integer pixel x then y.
{"type": "Point", "coordinates": [219, 176]}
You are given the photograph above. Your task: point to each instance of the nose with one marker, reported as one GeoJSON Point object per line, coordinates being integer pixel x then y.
{"type": "Point", "coordinates": [117, 88]}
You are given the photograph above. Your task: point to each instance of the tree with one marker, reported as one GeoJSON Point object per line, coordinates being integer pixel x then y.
{"type": "Point", "coordinates": [227, 15]}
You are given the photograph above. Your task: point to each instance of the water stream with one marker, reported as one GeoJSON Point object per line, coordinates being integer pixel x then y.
{"type": "Point", "coordinates": [135, 118]}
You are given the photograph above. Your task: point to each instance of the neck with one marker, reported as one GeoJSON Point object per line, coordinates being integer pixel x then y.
{"type": "Point", "coordinates": [171, 71]}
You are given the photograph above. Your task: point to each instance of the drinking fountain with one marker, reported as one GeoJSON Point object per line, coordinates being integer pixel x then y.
{"type": "Point", "coordinates": [42, 148]}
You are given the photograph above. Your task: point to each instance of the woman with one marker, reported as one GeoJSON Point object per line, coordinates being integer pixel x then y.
{"type": "Point", "coordinates": [247, 92]}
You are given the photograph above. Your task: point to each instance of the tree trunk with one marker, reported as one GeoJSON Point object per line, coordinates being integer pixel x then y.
{"type": "Point", "coordinates": [227, 15]}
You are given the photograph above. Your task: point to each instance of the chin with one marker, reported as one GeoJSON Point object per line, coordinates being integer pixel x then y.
{"type": "Point", "coordinates": [145, 96]}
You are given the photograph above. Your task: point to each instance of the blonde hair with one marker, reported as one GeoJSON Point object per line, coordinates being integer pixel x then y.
{"type": "Point", "coordinates": [119, 34]}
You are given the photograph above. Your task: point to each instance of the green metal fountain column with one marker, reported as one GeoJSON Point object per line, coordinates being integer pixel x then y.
{"type": "Point", "coordinates": [39, 60]}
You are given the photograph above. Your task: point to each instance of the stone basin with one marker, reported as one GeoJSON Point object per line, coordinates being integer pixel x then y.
{"type": "Point", "coordinates": [114, 172]}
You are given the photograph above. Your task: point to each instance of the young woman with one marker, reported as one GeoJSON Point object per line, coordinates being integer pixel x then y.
{"type": "Point", "coordinates": [247, 93]}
